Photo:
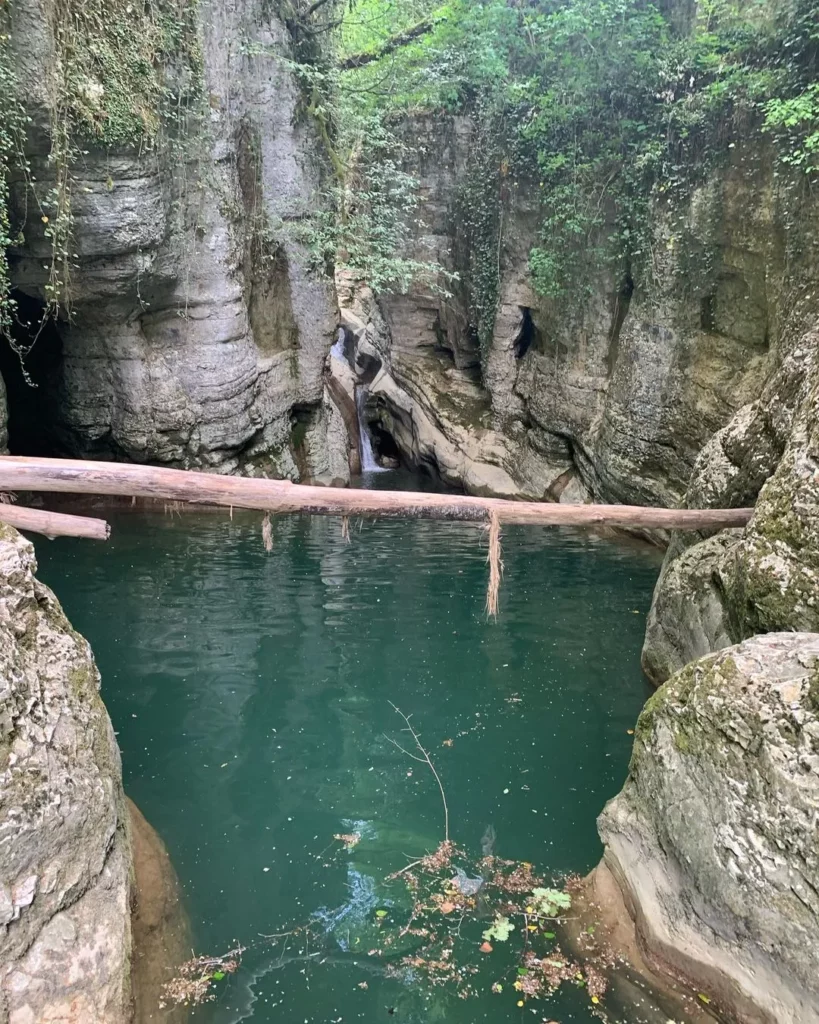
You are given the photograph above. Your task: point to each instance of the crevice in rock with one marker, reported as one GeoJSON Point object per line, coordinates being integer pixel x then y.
{"type": "Point", "coordinates": [528, 335]}
{"type": "Point", "coordinates": [302, 418]}
{"type": "Point", "coordinates": [622, 302]}
{"type": "Point", "coordinates": [264, 262]}
{"type": "Point", "coordinates": [32, 382]}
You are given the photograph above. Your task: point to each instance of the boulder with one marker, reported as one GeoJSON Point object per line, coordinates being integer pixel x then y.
{"type": "Point", "coordinates": [65, 861]}
{"type": "Point", "coordinates": [714, 839]}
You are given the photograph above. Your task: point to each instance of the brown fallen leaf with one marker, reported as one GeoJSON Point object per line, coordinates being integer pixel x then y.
{"type": "Point", "coordinates": [486, 947]}
{"type": "Point", "coordinates": [447, 907]}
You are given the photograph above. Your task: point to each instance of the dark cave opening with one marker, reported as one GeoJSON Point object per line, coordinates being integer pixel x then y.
{"type": "Point", "coordinates": [386, 450]}
{"type": "Point", "coordinates": [31, 376]}
{"type": "Point", "coordinates": [528, 334]}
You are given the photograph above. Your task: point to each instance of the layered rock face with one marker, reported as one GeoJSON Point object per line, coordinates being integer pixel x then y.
{"type": "Point", "coordinates": [716, 591]}
{"type": "Point", "coordinates": [715, 838]}
{"type": "Point", "coordinates": [197, 338]}
{"type": "Point", "coordinates": [65, 861]}
{"type": "Point", "coordinates": [611, 395]}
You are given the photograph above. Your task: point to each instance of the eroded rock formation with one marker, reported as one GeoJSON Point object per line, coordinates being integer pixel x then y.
{"type": "Point", "coordinates": [197, 336]}
{"type": "Point", "coordinates": [611, 395]}
{"type": "Point", "coordinates": [65, 861]}
{"type": "Point", "coordinates": [715, 838]}
{"type": "Point", "coordinates": [716, 591]}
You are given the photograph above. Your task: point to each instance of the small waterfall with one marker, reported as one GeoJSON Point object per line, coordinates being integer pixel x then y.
{"type": "Point", "coordinates": [338, 349]}
{"type": "Point", "coordinates": [368, 460]}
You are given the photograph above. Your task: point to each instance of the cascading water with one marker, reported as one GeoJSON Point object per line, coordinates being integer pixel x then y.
{"type": "Point", "coordinates": [368, 460]}
{"type": "Point", "coordinates": [338, 349]}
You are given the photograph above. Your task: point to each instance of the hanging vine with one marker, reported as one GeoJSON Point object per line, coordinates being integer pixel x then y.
{"type": "Point", "coordinates": [122, 74]}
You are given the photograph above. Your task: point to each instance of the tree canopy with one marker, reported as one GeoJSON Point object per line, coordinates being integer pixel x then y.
{"type": "Point", "coordinates": [603, 106]}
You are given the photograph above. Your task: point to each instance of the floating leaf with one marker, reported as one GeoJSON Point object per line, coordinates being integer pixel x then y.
{"type": "Point", "coordinates": [523, 971]}
{"type": "Point", "coordinates": [702, 996]}
{"type": "Point", "coordinates": [218, 975]}
{"type": "Point", "coordinates": [500, 930]}
{"type": "Point", "coordinates": [550, 902]}
{"type": "Point", "coordinates": [549, 935]}
{"type": "Point", "coordinates": [381, 913]}
{"type": "Point", "coordinates": [595, 1000]}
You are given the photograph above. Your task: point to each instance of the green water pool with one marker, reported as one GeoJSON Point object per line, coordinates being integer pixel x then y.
{"type": "Point", "coordinates": [251, 694]}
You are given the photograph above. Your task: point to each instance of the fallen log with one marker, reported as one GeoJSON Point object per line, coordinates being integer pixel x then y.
{"type": "Point", "coordinates": [280, 496]}
{"type": "Point", "coordinates": [54, 524]}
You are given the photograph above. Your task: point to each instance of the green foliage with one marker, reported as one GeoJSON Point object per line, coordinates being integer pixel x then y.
{"type": "Point", "coordinates": [115, 59]}
{"type": "Point", "coordinates": [12, 129]}
{"type": "Point", "coordinates": [794, 122]}
{"type": "Point", "coordinates": [602, 107]}
{"type": "Point", "coordinates": [500, 929]}
{"type": "Point", "coordinates": [550, 902]}
{"type": "Point", "coordinates": [124, 71]}
{"type": "Point", "coordinates": [363, 223]}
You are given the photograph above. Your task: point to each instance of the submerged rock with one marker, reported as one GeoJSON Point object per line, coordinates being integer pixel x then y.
{"type": "Point", "coordinates": [714, 840]}
{"type": "Point", "coordinates": [65, 863]}
{"type": "Point", "coordinates": [161, 930]}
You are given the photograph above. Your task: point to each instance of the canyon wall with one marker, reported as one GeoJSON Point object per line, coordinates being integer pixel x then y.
{"type": "Point", "coordinates": [609, 396]}
{"type": "Point", "coordinates": [193, 335]}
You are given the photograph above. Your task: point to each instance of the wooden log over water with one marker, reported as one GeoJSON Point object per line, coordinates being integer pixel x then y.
{"type": "Point", "coordinates": [54, 524]}
{"type": "Point", "coordinates": [280, 496]}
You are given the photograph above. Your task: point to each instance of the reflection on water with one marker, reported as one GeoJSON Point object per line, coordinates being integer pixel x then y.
{"type": "Point", "coordinates": [251, 695]}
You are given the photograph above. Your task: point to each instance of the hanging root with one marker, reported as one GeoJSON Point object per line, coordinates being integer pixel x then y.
{"type": "Point", "coordinates": [267, 533]}
{"type": "Point", "coordinates": [495, 565]}
{"type": "Point", "coordinates": [345, 528]}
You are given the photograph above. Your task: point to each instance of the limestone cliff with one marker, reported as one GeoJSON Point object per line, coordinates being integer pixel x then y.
{"type": "Point", "coordinates": [196, 337]}
{"type": "Point", "coordinates": [613, 394]}
{"type": "Point", "coordinates": [714, 838]}
{"type": "Point", "coordinates": [65, 861]}
{"type": "Point", "coordinates": [717, 591]}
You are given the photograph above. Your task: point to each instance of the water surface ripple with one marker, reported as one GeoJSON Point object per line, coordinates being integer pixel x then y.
{"type": "Point", "coordinates": [251, 694]}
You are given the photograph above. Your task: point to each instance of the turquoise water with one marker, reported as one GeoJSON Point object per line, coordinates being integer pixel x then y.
{"type": "Point", "coordinates": [252, 692]}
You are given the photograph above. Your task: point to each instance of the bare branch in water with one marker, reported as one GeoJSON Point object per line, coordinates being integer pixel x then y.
{"type": "Point", "coordinates": [424, 758]}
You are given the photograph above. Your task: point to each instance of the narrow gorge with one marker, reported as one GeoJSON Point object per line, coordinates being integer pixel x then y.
{"type": "Point", "coordinates": [557, 251]}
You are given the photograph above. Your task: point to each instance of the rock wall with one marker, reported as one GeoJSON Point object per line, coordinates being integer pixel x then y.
{"type": "Point", "coordinates": [65, 862]}
{"type": "Point", "coordinates": [716, 591]}
{"type": "Point", "coordinates": [612, 395]}
{"type": "Point", "coordinates": [197, 338]}
{"type": "Point", "coordinates": [714, 839]}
